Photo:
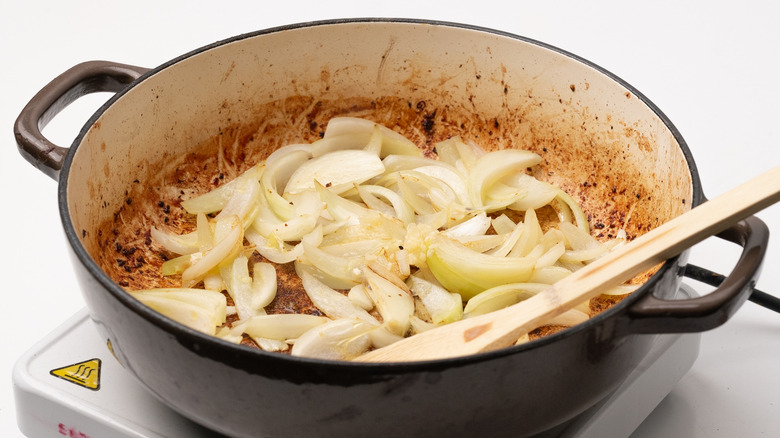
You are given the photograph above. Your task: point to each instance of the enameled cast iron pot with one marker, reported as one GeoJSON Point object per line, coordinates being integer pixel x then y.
{"type": "Point", "coordinates": [601, 140]}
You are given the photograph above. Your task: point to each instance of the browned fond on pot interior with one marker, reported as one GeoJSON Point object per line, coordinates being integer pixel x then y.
{"type": "Point", "coordinates": [131, 257]}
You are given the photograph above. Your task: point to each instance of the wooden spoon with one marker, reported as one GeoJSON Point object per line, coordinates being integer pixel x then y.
{"type": "Point", "coordinates": [503, 327]}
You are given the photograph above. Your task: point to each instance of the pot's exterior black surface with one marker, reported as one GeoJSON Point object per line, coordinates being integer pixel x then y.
{"type": "Point", "coordinates": [514, 392]}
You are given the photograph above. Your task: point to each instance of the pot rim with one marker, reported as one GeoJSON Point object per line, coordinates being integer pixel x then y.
{"type": "Point", "coordinates": [195, 337]}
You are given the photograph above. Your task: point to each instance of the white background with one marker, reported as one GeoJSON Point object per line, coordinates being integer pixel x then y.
{"type": "Point", "coordinates": [711, 67]}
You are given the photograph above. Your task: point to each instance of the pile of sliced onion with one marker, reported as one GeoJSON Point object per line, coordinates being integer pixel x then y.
{"type": "Point", "coordinates": [387, 242]}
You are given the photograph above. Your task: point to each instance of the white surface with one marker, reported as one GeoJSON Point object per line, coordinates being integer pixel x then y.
{"type": "Point", "coordinates": [711, 67]}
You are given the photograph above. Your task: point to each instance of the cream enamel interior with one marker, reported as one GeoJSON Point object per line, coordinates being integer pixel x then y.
{"type": "Point", "coordinates": [604, 145]}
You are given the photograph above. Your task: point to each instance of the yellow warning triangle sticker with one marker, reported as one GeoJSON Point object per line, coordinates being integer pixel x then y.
{"type": "Point", "coordinates": [86, 374]}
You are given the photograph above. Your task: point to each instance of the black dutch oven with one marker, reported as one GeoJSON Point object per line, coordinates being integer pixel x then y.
{"type": "Point", "coordinates": [601, 140]}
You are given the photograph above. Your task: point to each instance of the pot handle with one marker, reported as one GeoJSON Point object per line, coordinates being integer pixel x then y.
{"type": "Point", "coordinates": [79, 80]}
{"type": "Point", "coordinates": [651, 314]}
{"type": "Point", "coordinates": [703, 275]}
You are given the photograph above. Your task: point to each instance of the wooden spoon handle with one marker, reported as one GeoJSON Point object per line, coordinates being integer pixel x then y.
{"type": "Point", "coordinates": [501, 328]}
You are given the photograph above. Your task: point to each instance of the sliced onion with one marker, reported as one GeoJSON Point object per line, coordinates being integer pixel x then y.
{"type": "Point", "coordinates": [179, 244]}
{"type": "Point", "coordinates": [620, 239]}
{"type": "Point", "coordinates": [419, 325]}
{"type": "Point", "coordinates": [551, 256]}
{"type": "Point", "coordinates": [373, 202]}
{"type": "Point", "coordinates": [509, 241]}
{"type": "Point", "coordinates": [622, 289]}
{"type": "Point", "coordinates": [363, 210]}
{"type": "Point", "coordinates": [307, 206]}
{"type": "Point", "coordinates": [532, 234]}
{"type": "Point", "coordinates": [338, 170]}
{"type": "Point", "coordinates": [537, 193]}
{"type": "Point", "coordinates": [213, 281]}
{"type": "Point", "coordinates": [357, 233]}
{"type": "Point", "coordinates": [286, 149]}
{"type": "Point", "coordinates": [342, 268]}
{"type": "Point", "coordinates": [340, 339]}
{"type": "Point", "coordinates": [400, 208]}
{"type": "Point", "coordinates": [500, 196]}
{"type": "Point", "coordinates": [436, 191]}
{"type": "Point", "coordinates": [448, 152]}
{"type": "Point", "coordinates": [389, 271]}
{"type": "Point", "coordinates": [360, 131]}
{"type": "Point", "coordinates": [271, 345]}
{"type": "Point", "coordinates": [374, 144]}
{"type": "Point", "coordinates": [204, 233]}
{"type": "Point", "coordinates": [199, 309]}
{"type": "Point", "coordinates": [227, 246]}
{"type": "Point", "coordinates": [395, 163]}
{"type": "Point", "coordinates": [360, 248]}
{"type": "Point", "coordinates": [402, 262]}
{"type": "Point", "coordinates": [437, 219]}
{"type": "Point", "coordinates": [503, 225]}
{"type": "Point", "coordinates": [291, 230]}
{"type": "Point", "coordinates": [484, 243]}
{"type": "Point", "coordinates": [501, 296]}
{"type": "Point", "coordinates": [215, 200]}
{"type": "Point", "coordinates": [474, 226]}
{"type": "Point", "coordinates": [341, 209]}
{"type": "Point", "coordinates": [459, 154]}
{"type": "Point", "coordinates": [239, 286]}
{"type": "Point", "coordinates": [467, 272]}
{"type": "Point", "coordinates": [232, 333]}
{"type": "Point", "coordinates": [449, 176]}
{"type": "Point", "coordinates": [566, 205]}
{"type": "Point", "coordinates": [274, 250]}
{"type": "Point", "coordinates": [583, 255]}
{"type": "Point", "coordinates": [549, 274]}
{"type": "Point", "coordinates": [263, 284]}
{"type": "Point", "coordinates": [583, 246]}
{"type": "Point", "coordinates": [338, 283]}
{"type": "Point", "coordinates": [359, 297]}
{"type": "Point", "coordinates": [394, 304]}
{"type": "Point", "coordinates": [548, 240]}
{"type": "Point", "coordinates": [490, 168]}
{"type": "Point", "coordinates": [381, 336]}
{"type": "Point", "coordinates": [328, 145]}
{"type": "Point", "coordinates": [282, 326]}
{"type": "Point", "coordinates": [179, 264]}
{"type": "Point", "coordinates": [576, 238]}
{"type": "Point", "coordinates": [276, 176]}
{"type": "Point", "coordinates": [331, 302]}
{"type": "Point", "coordinates": [242, 202]}
{"type": "Point", "coordinates": [416, 195]}
{"type": "Point", "coordinates": [443, 306]}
